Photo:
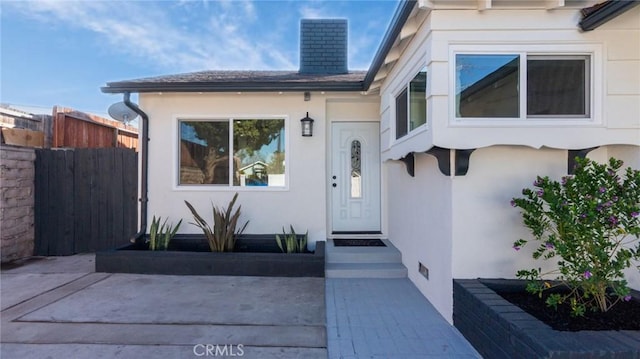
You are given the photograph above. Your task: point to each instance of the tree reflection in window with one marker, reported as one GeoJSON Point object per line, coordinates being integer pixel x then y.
{"type": "Point", "coordinates": [255, 156]}
{"type": "Point", "coordinates": [356, 169]}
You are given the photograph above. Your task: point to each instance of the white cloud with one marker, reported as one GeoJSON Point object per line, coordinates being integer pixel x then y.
{"type": "Point", "coordinates": [312, 12]}
{"type": "Point", "coordinates": [151, 32]}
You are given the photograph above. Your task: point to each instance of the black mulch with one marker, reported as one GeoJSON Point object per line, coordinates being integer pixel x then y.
{"type": "Point", "coordinates": [623, 316]}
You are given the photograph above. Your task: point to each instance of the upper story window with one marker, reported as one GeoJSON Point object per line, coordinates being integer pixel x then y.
{"type": "Point", "coordinates": [232, 152]}
{"type": "Point", "coordinates": [522, 85]}
{"type": "Point", "coordinates": [411, 105]}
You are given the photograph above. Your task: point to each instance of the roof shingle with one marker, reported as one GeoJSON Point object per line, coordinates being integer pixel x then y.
{"type": "Point", "coordinates": [241, 81]}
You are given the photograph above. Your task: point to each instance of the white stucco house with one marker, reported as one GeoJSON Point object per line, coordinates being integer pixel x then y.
{"type": "Point", "coordinates": [465, 102]}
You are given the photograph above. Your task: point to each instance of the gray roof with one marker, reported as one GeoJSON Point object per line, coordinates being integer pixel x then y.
{"type": "Point", "coordinates": [241, 81]}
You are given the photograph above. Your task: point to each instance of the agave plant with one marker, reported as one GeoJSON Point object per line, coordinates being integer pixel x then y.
{"type": "Point", "coordinates": [289, 242]}
{"type": "Point", "coordinates": [222, 236]}
{"type": "Point", "coordinates": [161, 234]}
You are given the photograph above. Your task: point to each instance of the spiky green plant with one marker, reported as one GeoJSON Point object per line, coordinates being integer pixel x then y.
{"type": "Point", "coordinates": [222, 237]}
{"type": "Point", "coordinates": [289, 242]}
{"type": "Point", "coordinates": [161, 234]}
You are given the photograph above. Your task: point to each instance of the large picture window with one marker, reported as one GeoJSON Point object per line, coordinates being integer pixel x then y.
{"type": "Point", "coordinates": [411, 105]}
{"type": "Point", "coordinates": [232, 152]}
{"type": "Point", "coordinates": [522, 86]}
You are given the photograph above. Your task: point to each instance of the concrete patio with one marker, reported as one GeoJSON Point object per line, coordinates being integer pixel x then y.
{"type": "Point", "coordinates": [58, 307]}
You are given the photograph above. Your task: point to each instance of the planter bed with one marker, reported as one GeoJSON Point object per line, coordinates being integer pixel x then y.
{"type": "Point", "coordinates": [499, 329]}
{"type": "Point", "coordinates": [254, 255]}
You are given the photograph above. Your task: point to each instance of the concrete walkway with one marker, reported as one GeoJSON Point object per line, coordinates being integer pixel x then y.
{"type": "Point", "coordinates": [387, 318]}
{"type": "Point", "coordinates": [59, 307]}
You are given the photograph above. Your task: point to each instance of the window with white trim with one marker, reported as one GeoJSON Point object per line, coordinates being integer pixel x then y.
{"type": "Point", "coordinates": [411, 105]}
{"type": "Point", "coordinates": [232, 152]}
{"type": "Point", "coordinates": [522, 86]}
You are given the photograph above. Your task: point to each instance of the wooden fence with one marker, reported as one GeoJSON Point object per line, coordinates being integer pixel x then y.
{"type": "Point", "coordinates": [80, 130]}
{"type": "Point", "coordinates": [85, 199]}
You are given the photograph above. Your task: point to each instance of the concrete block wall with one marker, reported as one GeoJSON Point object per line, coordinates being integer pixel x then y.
{"type": "Point", "coordinates": [323, 46]}
{"type": "Point", "coordinates": [17, 172]}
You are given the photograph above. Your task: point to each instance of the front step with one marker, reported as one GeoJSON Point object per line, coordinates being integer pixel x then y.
{"type": "Point", "coordinates": [365, 270]}
{"type": "Point", "coordinates": [364, 262]}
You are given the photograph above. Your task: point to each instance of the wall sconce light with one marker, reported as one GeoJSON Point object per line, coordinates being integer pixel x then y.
{"type": "Point", "coordinates": [307, 126]}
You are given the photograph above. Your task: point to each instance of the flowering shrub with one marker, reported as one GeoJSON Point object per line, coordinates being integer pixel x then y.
{"type": "Point", "coordinates": [590, 224]}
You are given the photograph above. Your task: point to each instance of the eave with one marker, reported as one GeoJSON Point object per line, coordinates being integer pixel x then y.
{"type": "Point", "coordinates": [393, 31]}
{"type": "Point", "coordinates": [122, 87]}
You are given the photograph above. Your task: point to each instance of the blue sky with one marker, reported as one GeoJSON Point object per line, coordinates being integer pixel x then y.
{"type": "Point", "coordinates": [61, 52]}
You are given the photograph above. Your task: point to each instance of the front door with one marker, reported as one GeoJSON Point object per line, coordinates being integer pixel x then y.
{"type": "Point", "coordinates": [355, 177]}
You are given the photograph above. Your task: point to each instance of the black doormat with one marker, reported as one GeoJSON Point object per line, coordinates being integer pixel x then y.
{"type": "Point", "coordinates": [341, 242]}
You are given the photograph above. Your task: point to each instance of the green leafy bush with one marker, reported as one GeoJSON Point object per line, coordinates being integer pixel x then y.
{"type": "Point", "coordinates": [222, 236]}
{"type": "Point", "coordinates": [161, 234]}
{"type": "Point", "coordinates": [589, 224]}
{"type": "Point", "coordinates": [289, 242]}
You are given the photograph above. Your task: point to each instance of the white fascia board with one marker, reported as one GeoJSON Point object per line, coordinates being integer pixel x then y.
{"type": "Point", "coordinates": [554, 4]}
{"type": "Point", "coordinates": [484, 4]}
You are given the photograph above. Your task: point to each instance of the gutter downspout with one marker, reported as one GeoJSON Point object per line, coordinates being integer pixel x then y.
{"type": "Point", "coordinates": [144, 199]}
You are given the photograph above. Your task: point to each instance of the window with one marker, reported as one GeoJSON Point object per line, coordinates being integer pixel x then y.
{"type": "Point", "coordinates": [411, 105]}
{"type": "Point", "coordinates": [553, 86]}
{"type": "Point", "coordinates": [252, 148]}
{"type": "Point", "coordinates": [557, 86]}
{"type": "Point", "coordinates": [356, 169]}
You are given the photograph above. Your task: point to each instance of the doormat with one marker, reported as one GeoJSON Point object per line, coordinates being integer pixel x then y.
{"type": "Point", "coordinates": [340, 242]}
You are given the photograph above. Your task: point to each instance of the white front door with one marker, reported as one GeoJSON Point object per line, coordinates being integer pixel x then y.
{"type": "Point", "coordinates": [355, 177]}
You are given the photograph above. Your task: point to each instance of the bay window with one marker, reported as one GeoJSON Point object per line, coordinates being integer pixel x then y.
{"type": "Point", "coordinates": [522, 86]}
{"type": "Point", "coordinates": [411, 105]}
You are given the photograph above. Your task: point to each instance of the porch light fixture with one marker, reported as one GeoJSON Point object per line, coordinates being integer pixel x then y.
{"type": "Point", "coordinates": [307, 126]}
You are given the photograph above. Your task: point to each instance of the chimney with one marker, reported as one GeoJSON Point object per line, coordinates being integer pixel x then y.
{"type": "Point", "coordinates": [323, 46]}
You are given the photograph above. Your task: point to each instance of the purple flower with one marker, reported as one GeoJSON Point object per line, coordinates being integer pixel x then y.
{"type": "Point", "coordinates": [536, 182]}
{"type": "Point", "coordinates": [513, 203]}
{"type": "Point", "coordinates": [549, 245]}
{"type": "Point", "coordinates": [608, 204]}
{"type": "Point", "coordinates": [564, 180]}
{"type": "Point", "coordinates": [614, 198]}
{"type": "Point", "coordinates": [613, 220]}
{"type": "Point", "coordinates": [602, 190]}
{"type": "Point", "coordinates": [635, 214]}
{"type": "Point", "coordinates": [583, 215]}
{"type": "Point", "coordinates": [611, 172]}
{"type": "Point", "coordinates": [517, 248]}
{"type": "Point", "coordinates": [599, 208]}
{"type": "Point", "coordinates": [627, 298]}
{"type": "Point", "coordinates": [540, 193]}
{"type": "Point", "coordinates": [587, 275]}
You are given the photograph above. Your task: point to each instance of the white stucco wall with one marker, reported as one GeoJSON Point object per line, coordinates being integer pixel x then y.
{"type": "Point", "coordinates": [302, 203]}
{"type": "Point", "coordinates": [485, 225]}
{"type": "Point", "coordinates": [420, 226]}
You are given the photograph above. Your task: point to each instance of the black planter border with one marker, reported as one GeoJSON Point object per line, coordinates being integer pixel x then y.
{"type": "Point", "coordinates": [256, 255]}
{"type": "Point", "coordinates": [499, 329]}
